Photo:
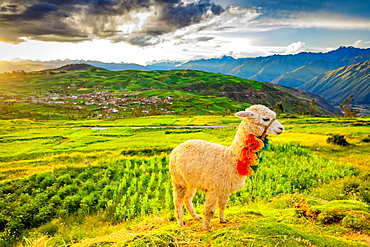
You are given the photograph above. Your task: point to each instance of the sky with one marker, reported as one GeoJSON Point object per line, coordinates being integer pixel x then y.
{"type": "Point", "coordinates": [143, 31]}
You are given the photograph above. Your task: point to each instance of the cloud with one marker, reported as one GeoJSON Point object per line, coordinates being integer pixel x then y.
{"type": "Point", "coordinates": [361, 43]}
{"type": "Point", "coordinates": [77, 20]}
{"type": "Point", "coordinates": [318, 19]}
{"type": "Point", "coordinates": [295, 47]}
{"type": "Point", "coordinates": [232, 20]}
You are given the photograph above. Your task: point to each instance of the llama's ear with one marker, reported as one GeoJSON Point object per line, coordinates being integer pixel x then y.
{"type": "Point", "coordinates": [246, 114]}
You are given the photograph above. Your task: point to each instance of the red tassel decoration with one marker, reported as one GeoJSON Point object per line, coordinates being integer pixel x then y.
{"type": "Point", "coordinates": [248, 156]}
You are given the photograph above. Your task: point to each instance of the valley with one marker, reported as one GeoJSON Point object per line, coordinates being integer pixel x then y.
{"type": "Point", "coordinates": [82, 91]}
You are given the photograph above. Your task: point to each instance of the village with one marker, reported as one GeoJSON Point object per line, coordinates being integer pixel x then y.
{"type": "Point", "coordinates": [99, 104]}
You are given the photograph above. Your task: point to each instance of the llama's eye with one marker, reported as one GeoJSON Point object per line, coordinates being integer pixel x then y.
{"type": "Point", "coordinates": [265, 119]}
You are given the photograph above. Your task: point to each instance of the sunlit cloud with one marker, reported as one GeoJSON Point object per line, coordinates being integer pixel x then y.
{"type": "Point", "coordinates": [361, 43]}
{"type": "Point", "coordinates": [295, 47]}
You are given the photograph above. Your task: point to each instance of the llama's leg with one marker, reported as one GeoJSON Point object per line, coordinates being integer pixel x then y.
{"type": "Point", "coordinates": [209, 208]}
{"type": "Point", "coordinates": [189, 203]}
{"type": "Point", "coordinates": [222, 201]}
{"type": "Point", "coordinates": [178, 199]}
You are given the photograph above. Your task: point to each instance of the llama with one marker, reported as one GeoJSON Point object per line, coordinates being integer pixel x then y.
{"type": "Point", "coordinates": [212, 168]}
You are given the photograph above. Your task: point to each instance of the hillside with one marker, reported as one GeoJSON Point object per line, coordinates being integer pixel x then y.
{"type": "Point", "coordinates": [339, 84]}
{"type": "Point", "coordinates": [30, 66]}
{"type": "Point", "coordinates": [72, 67]}
{"type": "Point", "coordinates": [210, 65]}
{"type": "Point", "coordinates": [80, 91]}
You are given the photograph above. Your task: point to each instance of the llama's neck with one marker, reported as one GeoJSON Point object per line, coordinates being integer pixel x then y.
{"type": "Point", "coordinates": [239, 142]}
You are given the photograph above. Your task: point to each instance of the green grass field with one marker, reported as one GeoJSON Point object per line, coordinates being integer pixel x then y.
{"type": "Point", "coordinates": [100, 183]}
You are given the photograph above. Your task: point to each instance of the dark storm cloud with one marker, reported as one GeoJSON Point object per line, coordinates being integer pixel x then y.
{"type": "Point", "coordinates": [201, 39]}
{"type": "Point", "coordinates": [37, 11]}
{"type": "Point", "coordinates": [10, 8]}
{"type": "Point", "coordinates": [76, 20]}
{"type": "Point", "coordinates": [171, 16]}
{"type": "Point", "coordinates": [184, 15]}
{"type": "Point", "coordinates": [348, 8]}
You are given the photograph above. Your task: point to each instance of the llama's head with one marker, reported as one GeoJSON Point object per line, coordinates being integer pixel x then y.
{"type": "Point", "coordinates": [263, 118]}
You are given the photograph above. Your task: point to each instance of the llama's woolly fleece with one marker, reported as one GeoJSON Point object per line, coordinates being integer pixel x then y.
{"type": "Point", "coordinates": [197, 164]}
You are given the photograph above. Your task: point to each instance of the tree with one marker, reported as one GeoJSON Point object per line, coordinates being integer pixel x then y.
{"type": "Point", "coordinates": [312, 107]}
{"type": "Point", "coordinates": [279, 108]}
{"type": "Point", "coordinates": [345, 106]}
{"type": "Point", "coordinates": [300, 108]}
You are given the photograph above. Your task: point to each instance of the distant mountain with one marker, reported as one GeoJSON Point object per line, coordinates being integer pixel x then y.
{"type": "Point", "coordinates": [337, 85]}
{"type": "Point", "coordinates": [288, 70]}
{"type": "Point", "coordinates": [269, 68]}
{"type": "Point", "coordinates": [164, 65]}
{"type": "Point", "coordinates": [299, 76]}
{"type": "Point", "coordinates": [29, 65]}
{"type": "Point", "coordinates": [73, 67]}
{"type": "Point", "coordinates": [216, 65]}
{"type": "Point", "coordinates": [26, 66]}
{"type": "Point", "coordinates": [118, 66]}
{"type": "Point", "coordinates": [272, 67]}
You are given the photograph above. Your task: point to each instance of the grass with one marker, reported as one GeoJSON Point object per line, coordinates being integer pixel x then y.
{"type": "Point", "coordinates": [266, 217]}
{"type": "Point", "coordinates": [28, 147]}
{"type": "Point", "coordinates": [255, 225]}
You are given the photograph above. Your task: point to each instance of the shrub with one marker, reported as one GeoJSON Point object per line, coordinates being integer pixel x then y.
{"type": "Point", "coordinates": [366, 139]}
{"type": "Point", "coordinates": [49, 229]}
{"type": "Point", "coordinates": [146, 151]}
{"type": "Point", "coordinates": [337, 140]}
{"type": "Point", "coordinates": [64, 180]}
{"type": "Point", "coordinates": [358, 220]}
{"type": "Point", "coordinates": [364, 192]}
{"type": "Point", "coordinates": [72, 203]}
{"type": "Point", "coordinates": [48, 181]}
{"type": "Point", "coordinates": [351, 186]}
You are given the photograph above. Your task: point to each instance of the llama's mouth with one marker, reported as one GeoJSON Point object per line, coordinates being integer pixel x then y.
{"type": "Point", "coordinates": [278, 132]}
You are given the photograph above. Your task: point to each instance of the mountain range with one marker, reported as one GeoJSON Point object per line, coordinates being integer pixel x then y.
{"type": "Point", "coordinates": [304, 70]}
{"type": "Point", "coordinates": [337, 85]}
{"type": "Point", "coordinates": [275, 68]}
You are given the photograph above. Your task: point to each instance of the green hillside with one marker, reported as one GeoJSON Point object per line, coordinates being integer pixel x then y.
{"type": "Point", "coordinates": [82, 91]}
{"type": "Point", "coordinates": [297, 77]}
{"type": "Point", "coordinates": [339, 84]}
